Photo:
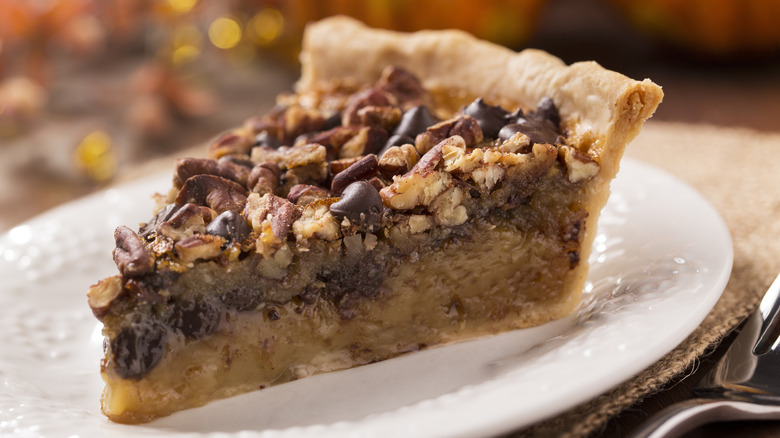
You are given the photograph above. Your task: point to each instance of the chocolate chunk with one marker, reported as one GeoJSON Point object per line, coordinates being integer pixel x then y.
{"type": "Point", "coordinates": [130, 255]}
{"type": "Point", "coordinates": [138, 348]}
{"type": "Point", "coordinates": [490, 118]}
{"type": "Point", "coordinates": [539, 131]}
{"type": "Point", "coordinates": [361, 204]}
{"type": "Point", "coordinates": [546, 110]}
{"type": "Point", "coordinates": [415, 121]}
{"type": "Point", "coordinates": [363, 169]}
{"type": "Point", "coordinates": [267, 140]}
{"type": "Point", "coordinates": [229, 225]}
{"type": "Point", "coordinates": [193, 320]}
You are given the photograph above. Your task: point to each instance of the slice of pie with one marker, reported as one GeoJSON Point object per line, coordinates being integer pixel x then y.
{"type": "Point", "coordinates": [417, 189]}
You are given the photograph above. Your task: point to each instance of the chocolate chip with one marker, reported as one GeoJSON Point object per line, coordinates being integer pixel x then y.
{"type": "Point", "coordinates": [193, 320]}
{"type": "Point", "coordinates": [361, 204]}
{"type": "Point", "coordinates": [273, 315]}
{"type": "Point", "coordinates": [130, 255]}
{"type": "Point", "coordinates": [267, 140]}
{"type": "Point", "coordinates": [138, 348]}
{"type": "Point", "coordinates": [229, 225]}
{"type": "Point", "coordinates": [490, 118]}
{"type": "Point", "coordinates": [363, 169]}
{"type": "Point", "coordinates": [546, 110]}
{"type": "Point", "coordinates": [415, 121]}
{"type": "Point", "coordinates": [539, 131]}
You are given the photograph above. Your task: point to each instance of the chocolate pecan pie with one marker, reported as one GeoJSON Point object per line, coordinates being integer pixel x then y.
{"type": "Point", "coordinates": [417, 189]}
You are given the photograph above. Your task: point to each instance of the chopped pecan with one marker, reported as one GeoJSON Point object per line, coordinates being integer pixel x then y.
{"type": "Point", "coordinates": [447, 208]}
{"type": "Point", "coordinates": [184, 222]}
{"type": "Point", "coordinates": [188, 167]}
{"type": "Point", "coordinates": [277, 211]}
{"type": "Point", "coordinates": [199, 246]}
{"type": "Point", "coordinates": [299, 120]}
{"type": "Point", "coordinates": [398, 160]}
{"type": "Point", "coordinates": [337, 166]}
{"type": "Point", "coordinates": [404, 85]}
{"type": "Point", "coordinates": [368, 140]}
{"type": "Point", "coordinates": [264, 178]}
{"type": "Point", "coordinates": [230, 143]}
{"type": "Point", "coordinates": [288, 157]}
{"type": "Point", "coordinates": [101, 295]}
{"type": "Point", "coordinates": [214, 191]}
{"type": "Point", "coordinates": [369, 97]}
{"type": "Point", "coordinates": [420, 186]}
{"type": "Point", "coordinates": [363, 169]}
{"type": "Point", "coordinates": [316, 221]}
{"type": "Point", "coordinates": [464, 126]}
{"type": "Point", "coordinates": [579, 166]}
{"type": "Point", "coordinates": [384, 117]}
{"type": "Point", "coordinates": [302, 194]}
{"type": "Point", "coordinates": [332, 139]}
{"type": "Point", "coordinates": [130, 255]}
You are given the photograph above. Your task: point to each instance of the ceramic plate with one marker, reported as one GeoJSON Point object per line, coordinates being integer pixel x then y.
{"type": "Point", "coordinates": [661, 260]}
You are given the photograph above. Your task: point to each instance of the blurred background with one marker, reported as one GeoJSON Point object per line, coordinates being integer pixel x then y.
{"type": "Point", "coordinates": [91, 90]}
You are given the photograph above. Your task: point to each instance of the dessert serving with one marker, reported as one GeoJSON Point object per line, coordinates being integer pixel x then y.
{"type": "Point", "coordinates": [415, 190]}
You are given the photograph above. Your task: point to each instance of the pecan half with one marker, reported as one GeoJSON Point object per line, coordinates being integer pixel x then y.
{"type": "Point", "coordinates": [216, 192]}
{"type": "Point", "coordinates": [264, 178]}
{"type": "Point", "coordinates": [370, 97]}
{"type": "Point", "coordinates": [230, 143]}
{"type": "Point", "coordinates": [464, 126]}
{"type": "Point", "coordinates": [278, 211]}
{"type": "Point", "coordinates": [101, 295]}
{"type": "Point", "coordinates": [302, 194]}
{"type": "Point", "coordinates": [130, 255]}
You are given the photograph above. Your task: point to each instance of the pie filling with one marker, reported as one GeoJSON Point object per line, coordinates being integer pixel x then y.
{"type": "Point", "coordinates": [351, 224]}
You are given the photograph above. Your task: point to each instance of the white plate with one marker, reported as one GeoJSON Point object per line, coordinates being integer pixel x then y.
{"type": "Point", "coordinates": [660, 262]}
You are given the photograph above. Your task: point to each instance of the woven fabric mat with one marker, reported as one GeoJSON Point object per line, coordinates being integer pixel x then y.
{"type": "Point", "coordinates": [738, 171]}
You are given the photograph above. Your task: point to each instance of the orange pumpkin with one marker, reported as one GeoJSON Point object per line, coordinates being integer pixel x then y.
{"type": "Point", "coordinates": [710, 27]}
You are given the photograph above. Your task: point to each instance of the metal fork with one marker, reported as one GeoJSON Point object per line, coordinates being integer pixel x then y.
{"type": "Point", "coordinates": [744, 385]}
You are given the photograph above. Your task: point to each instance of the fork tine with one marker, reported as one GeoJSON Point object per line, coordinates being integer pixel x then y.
{"type": "Point", "coordinates": [770, 316]}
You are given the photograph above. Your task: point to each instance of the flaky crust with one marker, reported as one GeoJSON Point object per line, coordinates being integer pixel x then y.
{"type": "Point", "coordinates": [604, 110]}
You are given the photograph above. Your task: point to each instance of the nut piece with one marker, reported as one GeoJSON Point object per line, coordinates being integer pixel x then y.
{"type": "Point", "coordinates": [302, 194]}
{"type": "Point", "coordinates": [101, 295]}
{"type": "Point", "coordinates": [230, 143]}
{"type": "Point", "coordinates": [298, 120]}
{"type": "Point", "coordinates": [216, 192]}
{"type": "Point", "coordinates": [185, 222]}
{"type": "Point", "coordinates": [370, 97]}
{"type": "Point", "coordinates": [289, 157]}
{"type": "Point", "coordinates": [368, 140]}
{"type": "Point", "coordinates": [278, 212]}
{"type": "Point", "coordinates": [264, 178]}
{"type": "Point", "coordinates": [447, 208]}
{"type": "Point", "coordinates": [404, 86]}
{"type": "Point", "coordinates": [419, 186]}
{"type": "Point", "coordinates": [199, 246]}
{"type": "Point", "coordinates": [580, 166]}
{"type": "Point", "coordinates": [130, 255]}
{"type": "Point", "coordinates": [398, 160]}
{"type": "Point", "coordinates": [188, 167]}
{"type": "Point", "coordinates": [316, 221]}
{"type": "Point", "coordinates": [464, 126]}
{"type": "Point", "coordinates": [383, 117]}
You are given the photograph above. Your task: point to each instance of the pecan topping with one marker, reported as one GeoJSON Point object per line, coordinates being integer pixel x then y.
{"type": "Point", "coordinates": [421, 185]}
{"type": "Point", "coordinates": [404, 85]}
{"type": "Point", "coordinates": [302, 194]}
{"type": "Point", "coordinates": [384, 117]}
{"type": "Point", "coordinates": [579, 166]}
{"type": "Point", "coordinates": [370, 97]}
{"type": "Point", "coordinates": [184, 222]}
{"type": "Point", "coordinates": [199, 246]}
{"type": "Point", "coordinates": [188, 167]}
{"type": "Point", "coordinates": [368, 140]}
{"type": "Point", "coordinates": [288, 157]}
{"type": "Point", "coordinates": [277, 211]}
{"type": "Point", "coordinates": [264, 178]}
{"type": "Point", "coordinates": [464, 126]}
{"type": "Point", "coordinates": [363, 169]}
{"type": "Point", "coordinates": [398, 160]}
{"type": "Point", "coordinates": [230, 143]}
{"type": "Point", "coordinates": [216, 192]}
{"type": "Point", "coordinates": [101, 295]}
{"type": "Point", "coordinates": [130, 255]}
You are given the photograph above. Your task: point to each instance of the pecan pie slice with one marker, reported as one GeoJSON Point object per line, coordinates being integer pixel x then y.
{"type": "Point", "coordinates": [417, 189]}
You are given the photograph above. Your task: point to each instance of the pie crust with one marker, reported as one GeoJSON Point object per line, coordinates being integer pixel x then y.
{"type": "Point", "coordinates": [309, 242]}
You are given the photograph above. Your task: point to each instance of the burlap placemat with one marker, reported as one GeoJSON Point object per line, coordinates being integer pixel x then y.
{"type": "Point", "coordinates": [738, 171]}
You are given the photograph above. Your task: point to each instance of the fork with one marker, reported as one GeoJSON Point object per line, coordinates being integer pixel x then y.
{"type": "Point", "coordinates": [744, 385]}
